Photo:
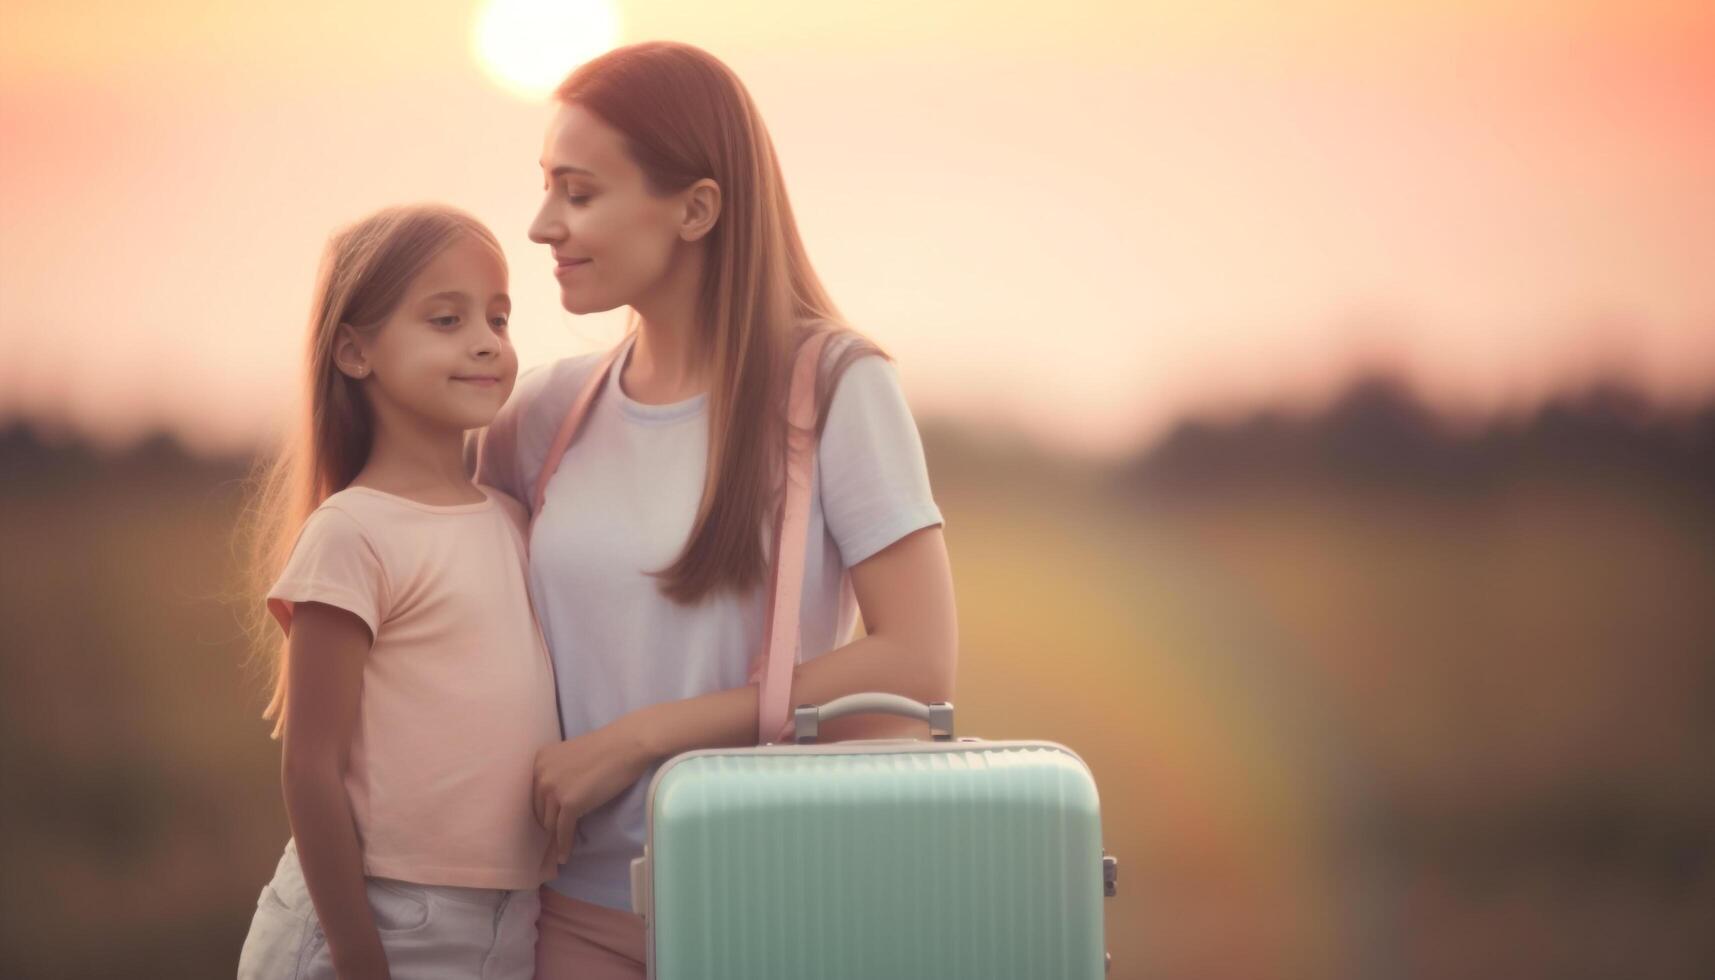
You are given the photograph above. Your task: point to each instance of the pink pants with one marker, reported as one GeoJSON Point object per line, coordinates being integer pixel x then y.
{"type": "Point", "coordinates": [578, 940]}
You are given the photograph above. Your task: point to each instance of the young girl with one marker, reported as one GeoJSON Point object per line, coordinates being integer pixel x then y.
{"type": "Point", "coordinates": [414, 690]}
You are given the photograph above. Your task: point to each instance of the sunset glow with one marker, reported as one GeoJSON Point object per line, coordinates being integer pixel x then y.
{"type": "Point", "coordinates": [1080, 221]}
{"type": "Point", "coordinates": [528, 46]}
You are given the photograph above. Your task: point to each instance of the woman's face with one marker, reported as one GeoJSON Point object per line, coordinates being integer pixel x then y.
{"type": "Point", "coordinates": [612, 239]}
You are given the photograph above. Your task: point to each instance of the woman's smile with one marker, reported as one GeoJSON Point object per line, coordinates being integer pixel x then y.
{"type": "Point", "coordinates": [564, 265]}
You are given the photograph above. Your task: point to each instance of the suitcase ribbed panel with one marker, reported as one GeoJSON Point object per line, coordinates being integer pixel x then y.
{"type": "Point", "coordinates": [960, 863]}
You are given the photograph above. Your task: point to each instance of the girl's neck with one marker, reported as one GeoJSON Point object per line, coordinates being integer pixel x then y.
{"type": "Point", "coordinates": [668, 363]}
{"type": "Point", "coordinates": [422, 463]}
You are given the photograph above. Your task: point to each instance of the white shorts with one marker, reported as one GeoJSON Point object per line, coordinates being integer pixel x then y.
{"type": "Point", "coordinates": [429, 932]}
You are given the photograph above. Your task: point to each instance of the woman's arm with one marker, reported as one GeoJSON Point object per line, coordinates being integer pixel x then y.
{"type": "Point", "coordinates": [905, 592]}
{"type": "Point", "coordinates": [324, 683]}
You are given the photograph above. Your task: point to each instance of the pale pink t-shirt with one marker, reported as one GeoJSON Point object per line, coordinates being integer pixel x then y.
{"type": "Point", "coordinates": [458, 690]}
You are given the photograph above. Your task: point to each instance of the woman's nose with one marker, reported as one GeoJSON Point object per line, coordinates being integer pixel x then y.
{"type": "Point", "coordinates": [546, 228]}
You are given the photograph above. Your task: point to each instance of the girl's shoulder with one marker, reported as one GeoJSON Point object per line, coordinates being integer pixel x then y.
{"type": "Point", "coordinates": [334, 539]}
{"type": "Point", "coordinates": [347, 518]}
{"type": "Point", "coordinates": [342, 513]}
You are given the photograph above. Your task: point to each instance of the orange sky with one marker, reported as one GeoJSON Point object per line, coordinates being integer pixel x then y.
{"type": "Point", "coordinates": [1079, 218]}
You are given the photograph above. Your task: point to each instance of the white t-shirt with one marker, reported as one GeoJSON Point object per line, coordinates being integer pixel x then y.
{"type": "Point", "coordinates": [621, 505]}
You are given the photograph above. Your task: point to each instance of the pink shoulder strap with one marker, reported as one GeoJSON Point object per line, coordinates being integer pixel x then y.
{"type": "Point", "coordinates": [780, 650]}
{"type": "Point", "coordinates": [780, 643]}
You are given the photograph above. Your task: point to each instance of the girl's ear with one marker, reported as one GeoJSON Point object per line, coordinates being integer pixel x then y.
{"type": "Point", "coordinates": [702, 209]}
{"type": "Point", "coordinates": [348, 354]}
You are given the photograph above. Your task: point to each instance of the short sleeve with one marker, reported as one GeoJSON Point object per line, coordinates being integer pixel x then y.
{"type": "Point", "coordinates": [333, 562]}
{"type": "Point", "coordinates": [874, 480]}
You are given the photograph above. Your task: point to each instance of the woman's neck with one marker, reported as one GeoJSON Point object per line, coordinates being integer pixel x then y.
{"type": "Point", "coordinates": [424, 463]}
{"type": "Point", "coordinates": [668, 363]}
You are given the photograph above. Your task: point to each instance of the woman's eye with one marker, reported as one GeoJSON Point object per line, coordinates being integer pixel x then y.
{"type": "Point", "coordinates": [499, 322]}
{"type": "Point", "coordinates": [449, 321]}
{"type": "Point", "coordinates": [578, 200]}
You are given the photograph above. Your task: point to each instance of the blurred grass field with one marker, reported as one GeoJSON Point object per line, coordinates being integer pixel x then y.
{"type": "Point", "coordinates": [1342, 728]}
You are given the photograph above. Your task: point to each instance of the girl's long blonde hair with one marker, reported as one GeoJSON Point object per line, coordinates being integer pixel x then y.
{"type": "Point", "coordinates": [685, 116]}
{"type": "Point", "coordinates": [364, 273]}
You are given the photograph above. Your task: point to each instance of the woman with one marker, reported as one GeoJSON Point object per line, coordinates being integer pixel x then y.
{"type": "Point", "coordinates": [650, 554]}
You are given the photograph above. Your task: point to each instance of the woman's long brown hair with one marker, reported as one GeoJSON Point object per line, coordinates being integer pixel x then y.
{"type": "Point", "coordinates": [685, 116]}
{"type": "Point", "coordinates": [365, 271]}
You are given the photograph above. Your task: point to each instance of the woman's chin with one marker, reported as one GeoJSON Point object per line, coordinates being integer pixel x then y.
{"type": "Point", "coordinates": [579, 303]}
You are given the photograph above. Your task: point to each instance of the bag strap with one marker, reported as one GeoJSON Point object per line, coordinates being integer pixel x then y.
{"type": "Point", "coordinates": [791, 526]}
{"type": "Point", "coordinates": [780, 646]}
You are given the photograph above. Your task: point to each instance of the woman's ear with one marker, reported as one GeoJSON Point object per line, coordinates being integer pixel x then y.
{"type": "Point", "coordinates": [702, 209]}
{"type": "Point", "coordinates": [348, 354]}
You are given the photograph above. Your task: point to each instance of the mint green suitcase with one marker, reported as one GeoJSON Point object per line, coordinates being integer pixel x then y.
{"type": "Point", "coordinates": [897, 858]}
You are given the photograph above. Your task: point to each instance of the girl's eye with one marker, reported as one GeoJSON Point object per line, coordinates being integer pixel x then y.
{"type": "Point", "coordinates": [577, 200]}
{"type": "Point", "coordinates": [499, 322]}
{"type": "Point", "coordinates": [449, 321]}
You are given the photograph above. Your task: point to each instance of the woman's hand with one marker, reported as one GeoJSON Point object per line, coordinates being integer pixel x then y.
{"type": "Point", "coordinates": [576, 776]}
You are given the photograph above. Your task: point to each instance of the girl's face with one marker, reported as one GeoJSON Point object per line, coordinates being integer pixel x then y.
{"type": "Point", "coordinates": [613, 240]}
{"type": "Point", "coordinates": [443, 356]}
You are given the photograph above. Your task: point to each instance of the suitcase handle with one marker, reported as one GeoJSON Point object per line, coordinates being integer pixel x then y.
{"type": "Point", "coordinates": [807, 719]}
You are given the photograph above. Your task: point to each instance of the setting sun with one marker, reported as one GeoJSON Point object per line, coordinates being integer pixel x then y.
{"type": "Point", "coordinates": [528, 46]}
